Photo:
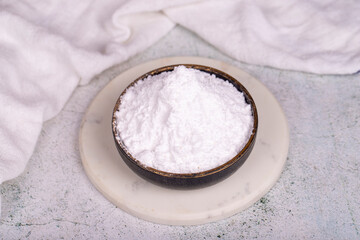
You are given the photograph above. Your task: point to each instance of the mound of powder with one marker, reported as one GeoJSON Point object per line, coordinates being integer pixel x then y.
{"type": "Point", "coordinates": [183, 121]}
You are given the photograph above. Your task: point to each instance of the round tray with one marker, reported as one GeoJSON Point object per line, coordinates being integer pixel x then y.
{"type": "Point", "coordinates": [125, 189]}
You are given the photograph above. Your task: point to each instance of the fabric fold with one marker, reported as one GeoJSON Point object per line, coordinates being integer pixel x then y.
{"type": "Point", "coordinates": [313, 36]}
{"type": "Point", "coordinates": [46, 51]}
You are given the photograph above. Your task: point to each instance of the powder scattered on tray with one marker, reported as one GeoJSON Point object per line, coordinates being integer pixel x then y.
{"type": "Point", "coordinates": [183, 121]}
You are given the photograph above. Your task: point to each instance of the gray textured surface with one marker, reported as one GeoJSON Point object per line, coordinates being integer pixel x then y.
{"type": "Point", "coordinates": [316, 197]}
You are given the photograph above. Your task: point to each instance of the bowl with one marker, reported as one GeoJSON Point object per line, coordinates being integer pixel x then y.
{"type": "Point", "coordinates": [188, 180]}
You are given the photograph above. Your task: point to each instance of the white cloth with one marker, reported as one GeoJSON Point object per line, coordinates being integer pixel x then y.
{"type": "Point", "coordinates": [320, 36]}
{"type": "Point", "coordinates": [47, 48]}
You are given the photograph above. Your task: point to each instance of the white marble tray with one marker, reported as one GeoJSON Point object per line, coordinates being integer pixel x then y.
{"type": "Point", "coordinates": [145, 200]}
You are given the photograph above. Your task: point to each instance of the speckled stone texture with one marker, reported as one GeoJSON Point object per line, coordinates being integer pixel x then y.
{"type": "Point", "coordinates": [316, 197]}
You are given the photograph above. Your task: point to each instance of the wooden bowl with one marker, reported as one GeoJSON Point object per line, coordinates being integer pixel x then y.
{"type": "Point", "coordinates": [188, 180]}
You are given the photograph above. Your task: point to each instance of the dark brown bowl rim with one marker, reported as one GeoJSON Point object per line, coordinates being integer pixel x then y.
{"type": "Point", "coordinates": [212, 171]}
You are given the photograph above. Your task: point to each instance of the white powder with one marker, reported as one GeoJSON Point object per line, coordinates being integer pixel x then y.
{"type": "Point", "coordinates": [184, 121]}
